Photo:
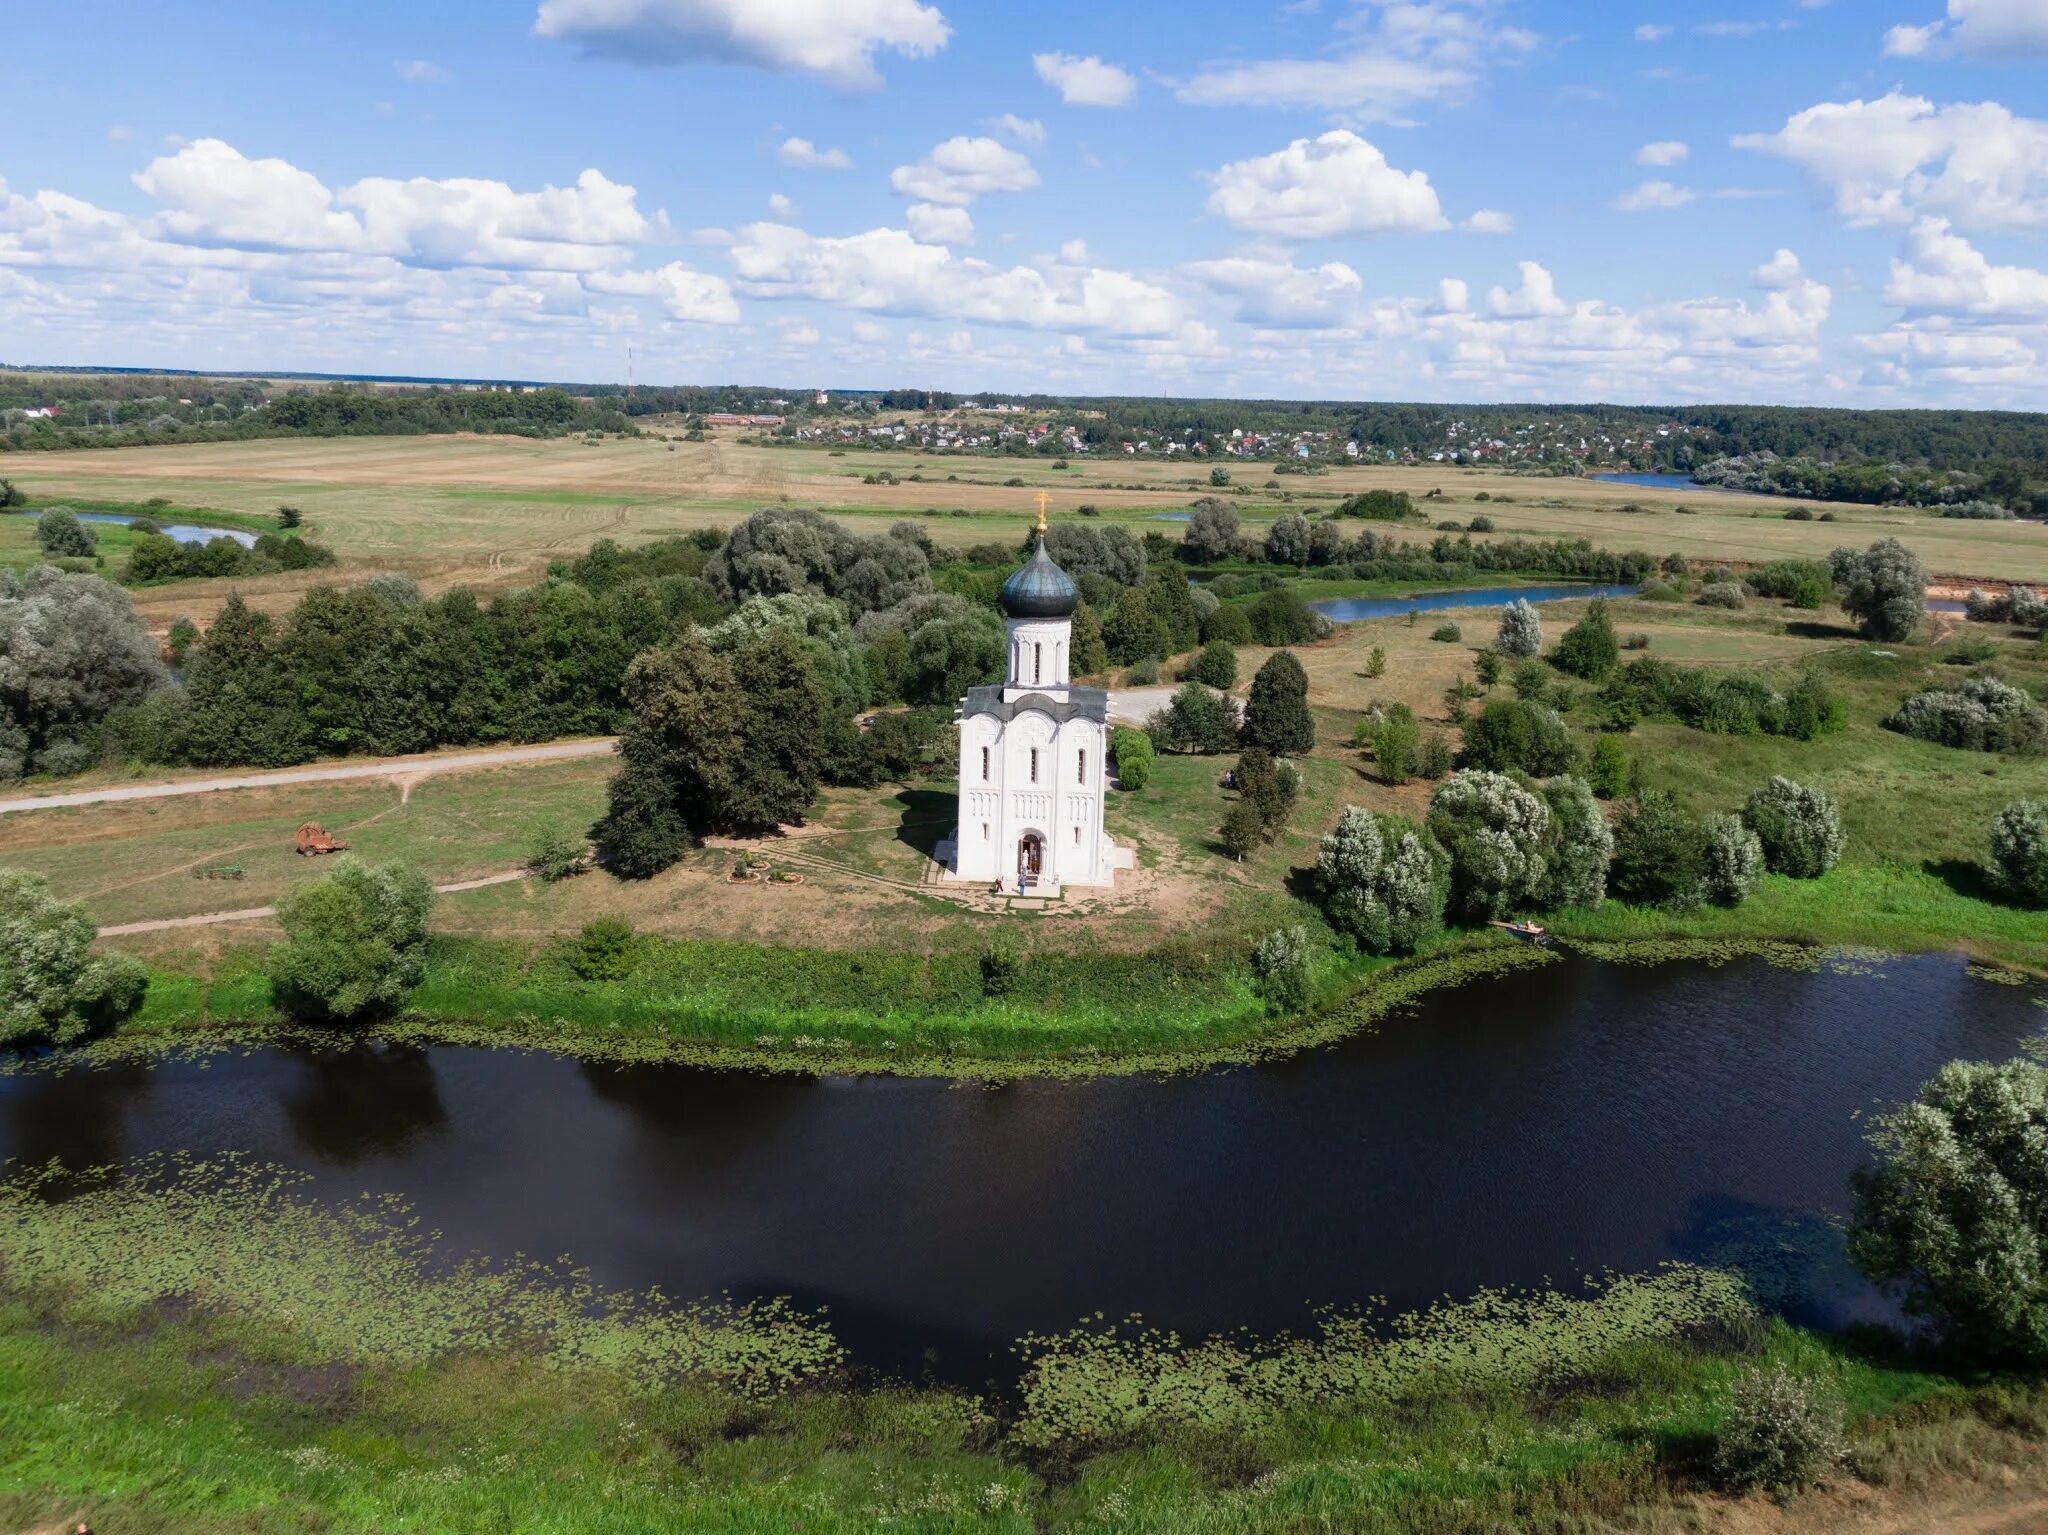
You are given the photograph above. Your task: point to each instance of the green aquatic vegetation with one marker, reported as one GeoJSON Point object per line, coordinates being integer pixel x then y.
{"type": "Point", "coordinates": [360, 1281]}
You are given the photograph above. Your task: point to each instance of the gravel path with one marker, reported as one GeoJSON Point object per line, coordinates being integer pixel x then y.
{"type": "Point", "coordinates": [382, 767]}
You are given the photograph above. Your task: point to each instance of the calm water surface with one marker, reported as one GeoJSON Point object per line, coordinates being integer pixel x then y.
{"type": "Point", "coordinates": [1683, 483]}
{"type": "Point", "coordinates": [1540, 1126]}
{"type": "Point", "coordinates": [1345, 610]}
{"type": "Point", "coordinates": [183, 533]}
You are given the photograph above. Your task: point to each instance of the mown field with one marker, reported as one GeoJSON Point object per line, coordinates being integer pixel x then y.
{"type": "Point", "coordinates": [491, 511]}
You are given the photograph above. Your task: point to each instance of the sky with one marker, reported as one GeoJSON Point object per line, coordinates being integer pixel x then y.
{"type": "Point", "coordinates": [1836, 202]}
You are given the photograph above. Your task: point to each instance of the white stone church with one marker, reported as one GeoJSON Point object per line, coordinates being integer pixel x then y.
{"type": "Point", "coordinates": [1034, 752]}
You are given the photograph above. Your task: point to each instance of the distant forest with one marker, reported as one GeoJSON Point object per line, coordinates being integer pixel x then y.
{"type": "Point", "coordinates": [112, 409]}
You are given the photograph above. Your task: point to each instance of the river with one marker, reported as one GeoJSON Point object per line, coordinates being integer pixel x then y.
{"type": "Point", "coordinates": [1345, 610]}
{"type": "Point", "coordinates": [1539, 1126]}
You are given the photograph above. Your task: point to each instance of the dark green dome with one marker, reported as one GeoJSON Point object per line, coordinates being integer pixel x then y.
{"type": "Point", "coordinates": [1040, 589]}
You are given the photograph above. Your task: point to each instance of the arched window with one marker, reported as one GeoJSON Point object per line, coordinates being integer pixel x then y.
{"type": "Point", "coordinates": [984, 764]}
{"type": "Point", "coordinates": [1034, 764]}
{"type": "Point", "coordinates": [1037, 664]}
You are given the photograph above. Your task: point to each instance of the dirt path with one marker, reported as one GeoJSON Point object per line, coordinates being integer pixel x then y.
{"type": "Point", "coordinates": [382, 767]}
{"type": "Point", "coordinates": [253, 913]}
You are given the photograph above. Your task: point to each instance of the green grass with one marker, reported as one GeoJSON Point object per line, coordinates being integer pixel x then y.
{"type": "Point", "coordinates": [19, 550]}
{"type": "Point", "coordinates": [201, 1348]}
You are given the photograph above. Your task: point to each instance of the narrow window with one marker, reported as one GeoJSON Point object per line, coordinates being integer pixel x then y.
{"type": "Point", "coordinates": [984, 764]}
{"type": "Point", "coordinates": [984, 831]}
{"type": "Point", "coordinates": [1034, 764]}
{"type": "Point", "coordinates": [1037, 663]}
{"type": "Point", "coordinates": [1081, 766]}
{"type": "Point", "coordinates": [1077, 836]}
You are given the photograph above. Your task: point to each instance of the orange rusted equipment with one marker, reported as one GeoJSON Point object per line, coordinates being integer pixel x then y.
{"type": "Point", "coordinates": [313, 841]}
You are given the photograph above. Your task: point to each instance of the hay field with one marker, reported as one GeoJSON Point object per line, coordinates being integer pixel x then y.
{"type": "Point", "coordinates": [491, 511]}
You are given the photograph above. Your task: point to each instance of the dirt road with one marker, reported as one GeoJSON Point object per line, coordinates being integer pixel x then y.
{"type": "Point", "coordinates": [381, 767]}
{"type": "Point", "coordinates": [252, 913]}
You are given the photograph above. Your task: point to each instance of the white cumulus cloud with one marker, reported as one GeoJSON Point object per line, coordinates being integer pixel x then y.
{"type": "Point", "coordinates": [962, 169]}
{"type": "Point", "coordinates": [1650, 196]}
{"type": "Point", "coordinates": [805, 155]}
{"type": "Point", "coordinates": [1490, 221]}
{"type": "Point", "coordinates": [1086, 82]}
{"type": "Point", "coordinates": [1663, 152]}
{"type": "Point", "coordinates": [836, 40]}
{"type": "Point", "coordinates": [1337, 184]}
{"type": "Point", "coordinates": [940, 226]}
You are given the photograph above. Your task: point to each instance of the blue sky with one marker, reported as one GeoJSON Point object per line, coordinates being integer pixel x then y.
{"type": "Point", "coordinates": [1836, 203]}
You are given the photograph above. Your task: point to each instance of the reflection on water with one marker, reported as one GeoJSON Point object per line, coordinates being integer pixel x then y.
{"type": "Point", "coordinates": [1345, 610]}
{"type": "Point", "coordinates": [1534, 1127]}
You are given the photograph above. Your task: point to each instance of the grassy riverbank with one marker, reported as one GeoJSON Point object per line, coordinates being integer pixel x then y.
{"type": "Point", "coordinates": [201, 1348]}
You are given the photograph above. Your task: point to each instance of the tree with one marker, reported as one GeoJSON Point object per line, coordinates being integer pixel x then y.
{"type": "Point", "coordinates": [1211, 532]}
{"type": "Point", "coordinates": [243, 706]}
{"type": "Point", "coordinates": [948, 656]}
{"type": "Point", "coordinates": [1087, 652]}
{"type": "Point", "coordinates": [1133, 752]}
{"type": "Point", "coordinates": [1219, 476]}
{"type": "Point", "coordinates": [1216, 665]}
{"type": "Point", "coordinates": [53, 989]}
{"type": "Point", "coordinates": [1521, 630]}
{"type": "Point", "coordinates": [1660, 852]}
{"type": "Point", "coordinates": [1513, 736]}
{"type": "Point", "coordinates": [1486, 665]}
{"type": "Point", "coordinates": [1194, 720]}
{"type": "Point", "coordinates": [1735, 861]}
{"type": "Point", "coordinates": [1269, 786]}
{"type": "Point", "coordinates": [1287, 540]}
{"type": "Point", "coordinates": [60, 535]}
{"type": "Point", "coordinates": [1799, 827]}
{"type": "Point", "coordinates": [1609, 769]}
{"type": "Point", "coordinates": [1133, 631]}
{"type": "Point", "coordinates": [72, 651]}
{"type": "Point", "coordinates": [1955, 1213]}
{"type": "Point", "coordinates": [2019, 852]}
{"type": "Point", "coordinates": [11, 495]}
{"type": "Point", "coordinates": [289, 517]}
{"type": "Point", "coordinates": [1284, 962]}
{"type": "Point", "coordinates": [1229, 623]}
{"type": "Point", "coordinates": [1383, 880]}
{"type": "Point", "coordinates": [1885, 588]}
{"type": "Point", "coordinates": [1589, 648]}
{"type": "Point", "coordinates": [355, 942]}
{"type": "Point", "coordinates": [1282, 617]}
{"type": "Point", "coordinates": [1580, 846]}
{"type": "Point", "coordinates": [1276, 714]}
{"type": "Point", "coordinates": [1394, 742]}
{"type": "Point", "coordinates": [1242, 829]}
{"type": "Point", "coordinates": [1497, 834]}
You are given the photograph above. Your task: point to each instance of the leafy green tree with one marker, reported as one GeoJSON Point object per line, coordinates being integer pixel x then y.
{"type": "Point", "coordinates": [289, 517]}
{"type": "Point", "coordinates": [53, 989]}
{"type": "Point", "coordinates": [1589, 648]}
{"type": "Point", "coordinates": [1087, 651]}
{"type": "Point", "coordinates": [1800, 828]}
{"type": "Point", "coordinates": [1735, 861]}
{"type": "Point", "coordinates": [1219, 476]}
{"type": "Point", "coordinates": [1394, 742]}
{"type": "Point", "coordinates": [60, 535]}
{"type": "Point", "coordinates": [1383, 880]}
{"type": "Point", "coordinates": [1269, 786]}
{"type": "Point", "coordinates": [642, 830]}
{"type": "Point", "coordinates": [243, 707]}
{"type": "Point", "coordinates": [2019, 851]}
{"type": "Point", "coordinates": [1497, 834]}
{"type": "Point", "coordinates": [1580, 846]}
{"type": "Point", "coordinates": [1376, 661]}
{"type": "Point", "coordinates": [1133, 632]}
{"type": "Point", "coordinates": [11, 495]}
{"type": "Point", "coordinates": [154, 557]}
{"type": "Point", "coordinates": [1287, 540]}
{"type": "Point", "coordinates": [1885, 588]}
{"type": "Point", "coordinates": [1486, 665]}
{"type": "Point", "coordinates": [554, 853]}
{"type": "Point", "coordinates": [1216, 665]}
{"type": "Point", "coordinates": [1284, 961]}
{"type": "Point", "coordinates": [1955, 1212]}
{"type": "Point", "coordinates": [1242, 830]}
{"type": "Point", "coordinates": [72, 652]}
{"type": "Point", "coordinates": [1521, 630]}
{"type": "Point", "coordinates": [1283, 617]}
{"type": "Point", "coordinates": [1660, 852]}
{"type": "Point", "coordinates": [1195, 719]}
{"type": "Point", "coordinates": [1211, 531]}
{"type": "Point", "coordinates": [1133, 752]}
{"type": "Point", "coordinates": [1513, 736]}
{"type": "Point", "coordinates": [1276, 714]}
{"type": "Point", "coordinates": [950, 655]}
{"type": "Point", "coordinates": [1229, 623]}
{"type": "Point", "coordinates": [1531, 681]}
{"type": "Point", "coordinates": [355, 942]}
{"type": "Point", "coordinates": [605, 950]}
{"type": "Point", "coordinates": [1608, 770]}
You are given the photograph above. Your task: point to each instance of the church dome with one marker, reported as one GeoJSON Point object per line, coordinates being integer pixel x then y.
{"type": "Point", "coordinates": [1040, 589]}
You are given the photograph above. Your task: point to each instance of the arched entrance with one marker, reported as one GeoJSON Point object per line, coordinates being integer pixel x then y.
{"type": "Point", "coordinates": [1030, 859]}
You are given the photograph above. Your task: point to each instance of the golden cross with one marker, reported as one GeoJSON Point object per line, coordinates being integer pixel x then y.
{"type": "Point", "coordinates": [1043, 497]}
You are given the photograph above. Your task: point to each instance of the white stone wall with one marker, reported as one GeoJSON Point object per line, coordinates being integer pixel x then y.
{"type": "Point", "coordinates": [1038, 653]}
{"type": "Point", "coordinates": [1063, 806]}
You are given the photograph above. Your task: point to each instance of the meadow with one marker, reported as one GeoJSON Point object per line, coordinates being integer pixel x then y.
{"type": "Point", "coordinates": [492, 511]}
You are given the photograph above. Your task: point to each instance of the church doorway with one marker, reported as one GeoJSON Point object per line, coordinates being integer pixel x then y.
{"type": "Point", "coordinates": [1030, 858]}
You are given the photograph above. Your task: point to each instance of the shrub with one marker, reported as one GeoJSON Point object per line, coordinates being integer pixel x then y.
{"type": "Point", "coordinates": [1436, 758]}
{"type": "Point", "coordinates": [355, 942]}
{"type": "Point", "coordinates": [1269, 786]}
{"type": "Point", "coordinates": [1376, 662]}
{"type": "Point", "coordinates": [60, 534]}
{"type": "Point", "coordinates": [1216, 665]}
{"type": "Point", "coordinates": [1580, 846]}
{"type": "Point", "coordinates": [1803, 583]}
{"type": "Point", "coordinates": [1229, 624]}
{"type": "Point", "coordinates": [1383, 880]}
{"type": "Point", "coordinates": [1394, 742]}
{"type": "Point", "coordinates": [1486, 665]}
{"type": "Point", "coordinates": [554, 854]}
{"type": "Point", "coordinates": [1496, 833]}
{"type": "Point", "coordinates": [1799, 827]}
{"type": "Point", "coordinates": [1521, 630]}
{"type": "Point", "coordinates": [1660, 852]}
{"type": "Point", "coordinates": [53, 989]}
{"type": "Point", "coordinates": [1448, 633]}
{"type": "Point", "coordinates": [1242, 830]}
{"type": "Point", "coordinates": [1511, 735]}
{"type": "Point", "coordinates": [1002, 967]}
{"type": "Point", "coordinates": [1531, 681]}
{"type": "Point", "coordinates": [1145, 674]}
{"type": "Point", "coordinates": [2019, 852]}
{"type": "Point", "coordinates": [1723, 594]}
{"type": "Point", "coordinates": [1282, 617]}
{"type": "Point", "coordinates": [1133, 752]}
{"type": "Point", "coordinates": [1608, 769]}
{"type": "Point", "coordinates": [1283, 961]}
{"type": "Point", "coordinates": [1779, 1433]}
{"type": "Point", "coordinates": [1276, 714]}
{"type": "Point", "coordinates": [1637, 640]}
{"type": "Point", "coordinates": [1983, 714]}
{"type": "Point", "coordinates": [1884, 588]}
{"type": "Point", "coordinates": [1195, 720]}
{"type": "Point", "coordinates": [606, 950]}
{"type": "Point", "coordinates": [2028, 608]}
{"type": "Point", "coordinates": [1589, 648]}
{"type": "Point", "coordinates": [1480, 524]}
{"type": "Point", "coordinates": [1735, 861]}
{"type": "Point", "coordinates": [1955, 1211]}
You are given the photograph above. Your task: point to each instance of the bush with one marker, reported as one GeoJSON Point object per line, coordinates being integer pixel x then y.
{"type": "Point", "coordinates": [1521, 630]}
{"type": "Point", "coordinates": [1496, 833]}
{"type": "Point", "coordinates": [606, 950]}
{"type": "Point", "coordinates": [1448, 633]}
{"type": "Point", "coordinates": [1145, 674]}
{"type": "Point", "coordinates": [1283, 961]}
{"type": "Point", "coordinates": [1269, 786]}
{"type": "Point", "coordinates": [1983, 714]}
{"type": "Point", "coordinates": [1589, 648]}
{"type": "Point", "coordinates": [1800, 828]}
{"type": "Point", "coordinates": [1195, 720]}
{"type": "Point", "coordinates": [355, 942]}
{"type": "Point", "coordinates": [1229, 624]}
{"type": "Point", "coordinates": [1511, 735]}
{"type": "Point", "coordinates": [1480, 524]}
{"type": "Point", "coordinates": [1779, 1433]}
{"type": "Point", "coordinates": [1486, 665]}
{"type": "Point", "coordinates": [1276, 714]}
{"type": "Point", "coordinates": [2019, 852]}
{"type": "Point", "coordinates": [1735, 861]}
{"type": "Point", "coordinates": [1383, 880]}
{"type": "Point", "coordinates": [1394, 742]}
{"type": "Point", "coordinates": [1133, 752]}
{"type": "Point", "coordinates": [1436, 757]}
{"type": "Point", "coordinates": [1002, 967]}
{"type": "Point", "coordinates": [1376, 662]}
{"type": "Point", "coordinates": [1608, 769]}
{"type": "Point", "coordinates": [60, 534]}
{"type": "Point", "coordinates": [53, 989]}
{"type": "Point", "coordinates": [1955, 1211]}
{"type": "Point", "coordinates": [1531, 681]}
{"type": "Point", "coordinates": [1282, 617]}
{"type": "Point", "coordinates": [1660, 852]}
{"type": "Point", "coordinates": [1724, 594]}
{"type": "Point", "coordinates": [1216, 665]}
{"type": "Point", "coordinates": [1580, 846]}
{"type": "Point", "coordinates": [554, 854]}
